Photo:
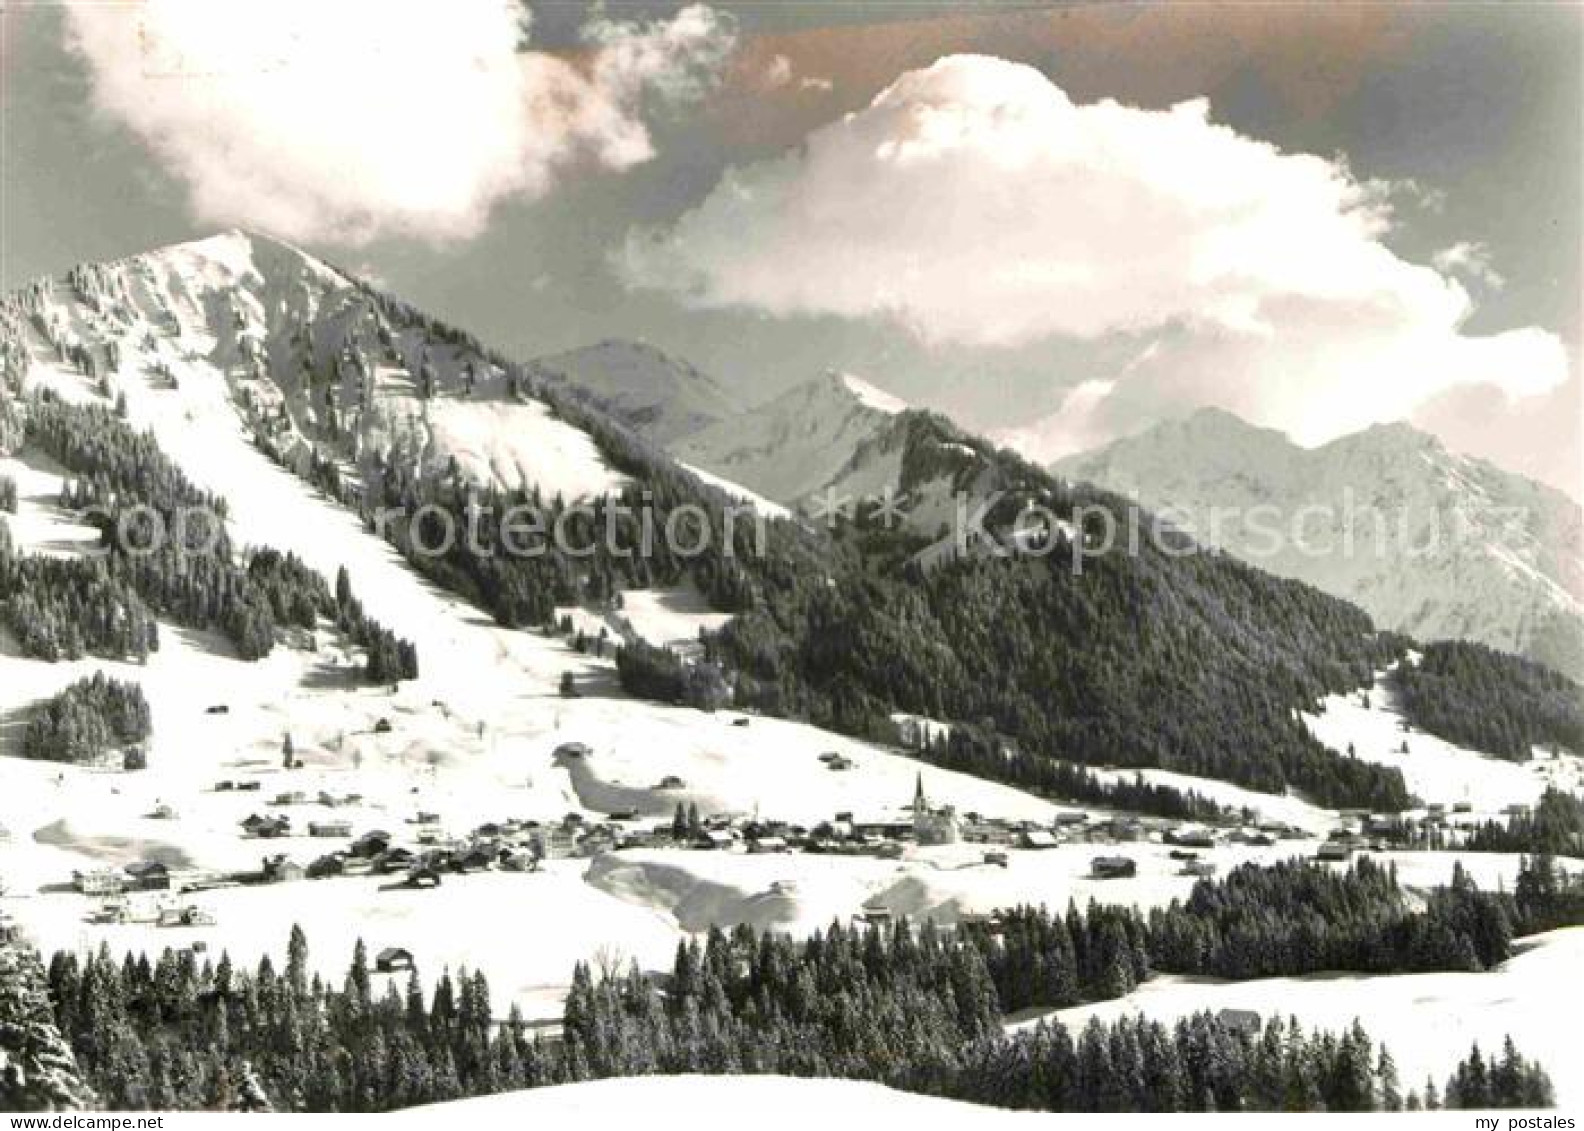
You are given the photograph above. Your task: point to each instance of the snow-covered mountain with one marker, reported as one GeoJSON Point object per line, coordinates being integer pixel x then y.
{"type": "Point", "coordinates": [661, 396]}
{"type": "Point", "coordinates": [797, 443]}
{"type": "Point", "coordinates": [1429, 542]}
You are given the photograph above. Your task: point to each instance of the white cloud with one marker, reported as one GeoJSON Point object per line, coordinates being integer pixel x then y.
{"type": "Point", "coordinates": [349, 120]}
{"type": "Point", "coordinates": [1472, 261]}
{"type": "Point", "coordinates": [976, 204]}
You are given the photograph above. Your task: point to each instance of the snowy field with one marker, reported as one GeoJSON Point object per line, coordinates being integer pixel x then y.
{"type": "Point", "coordinates": [1435, 770]}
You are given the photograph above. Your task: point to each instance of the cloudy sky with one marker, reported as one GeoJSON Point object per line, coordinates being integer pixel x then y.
{"type": "Point", "coordinates": [1058, 223]}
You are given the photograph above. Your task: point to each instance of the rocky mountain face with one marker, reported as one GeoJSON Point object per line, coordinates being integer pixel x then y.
{"type": "Point", "coordinates": [1428, 542]}
{"type": "Point", "coordinates": [794, 445]}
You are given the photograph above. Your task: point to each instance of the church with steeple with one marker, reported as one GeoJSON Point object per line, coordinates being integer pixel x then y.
{"type": "Point", "coordinates": [933, 826]}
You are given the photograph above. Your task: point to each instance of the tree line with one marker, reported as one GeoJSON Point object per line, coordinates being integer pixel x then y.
{"type": "Point", "coordinates": [904, 1006]}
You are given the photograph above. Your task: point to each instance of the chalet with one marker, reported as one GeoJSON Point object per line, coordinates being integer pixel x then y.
{"type": "Point", "coordinates": [224, 786]}
{"type": "Point", "coordinates": [1245, 1021]}
{"type": "Point", "coordinates": [687, 650]}
{"type": "Point", "coordinates": [1202, 869]}
{"type": "Point", "coordinates": [1066, 820]}
{"type": "Point", "coordinates": [382, 726]}
{"type": "Point", "coordinates": [1189, 837]}
{"type": "Point", "coordinates": [217, 709]}
{"type": "Point", "coordinates": [474, 859]}
{"type": "Point", "coordinates": [277, 869]}
{"type": "Point", "coordinates": [392, 959]}
{"type": "Point", "coordinates": [1036, 839]}
{"type": "Point", "coordinates": [883, 829]}
{"type": "Point", "coordinates": [257, 826]}
{"type": "Point", "coordinates": [333, 864]}
{"type": "Point", "coordinates": [10, 929]}
{"type": "Point", "coordinates": [996, 858]}
{"type": "Point", "coordinates": [768, 844]}
{"type": "Point", "coordinates": [149, 875]}
{"type": "Point", "coordinates": [249, 786]}
{"type": "Point", "coordinates": [394, 860]}
{"type": "Point", "coordinates": [291, 797]}
{"type": "Point", "coordinates": [100, 881]}
{"type": "Point", "coordinates": [671, 781]}
{"type": "Point", "coordinates": [184, 915]}
{"type": "Point", "coordinates": [1112, 867]}
{"type": "Point", "coordinates": [716, 838]}
{"type": "Point", "coordinates": [425, 817]}
{"type": "Point", "coordinates": [329, 829]}
{"type": "Point", "coordinates": [327, 799]}
{"type": "Point", "coordinates": [557, 842]}
{"type": "Point", "coordinates": [520, 860]}
{"type": "Point", "coordinates": [876, 916]}
{"type": "Point", "coordinates": [163, 812]}
{"type": "Point", "coordinates": [1334, 851]}
{"type": "Point", "coordinates": [371, 844]}
{"type": "Point", "coordinates": [1463, 807]}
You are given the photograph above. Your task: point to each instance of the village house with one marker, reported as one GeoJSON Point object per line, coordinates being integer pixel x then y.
{"type": "Point", "coordinates": [100, 881]}
{"type": "Point", "coordinates": [274, 826]}
{"type": "Point", "coordinates": [371, 843]}
{"type": "Point", "coordinates": [392, 959]}
{"type": "Point", "coordinates": [1245, 1021]}
{"type": "Point", "coordinates": [329, 829]}
{"type": "Point", "coordinates": [184, 915]}
{"type": "Point", "coordinates": [1112, 867]}
{"type": "Point", "coordinates": [278, 869]}
{"type": "Point", "coordinates": [1189, 837]}
{"type": "Point", "coordinates": [1038, 839]}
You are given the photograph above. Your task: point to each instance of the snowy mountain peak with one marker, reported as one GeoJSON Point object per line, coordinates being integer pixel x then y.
{"type": "Point", "coordinates": [1468, 551]}
{"type": "Point", "coordinates": [793, 445]}
{"type": "Point", "coordinates": [870, 396]}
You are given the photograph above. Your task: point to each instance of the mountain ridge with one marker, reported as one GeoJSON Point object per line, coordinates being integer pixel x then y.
{"type": "Point", "coordinates": [1470, 550]}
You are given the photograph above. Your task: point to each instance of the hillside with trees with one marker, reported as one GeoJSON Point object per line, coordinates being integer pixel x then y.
{"type": "Point", "coordinates": [1478, 697]}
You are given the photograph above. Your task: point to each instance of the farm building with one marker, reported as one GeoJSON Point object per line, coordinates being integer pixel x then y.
{"type": "Point", "coordinates": [392, 959]}
{"type": "Point", "coordinates": [1112, 867]}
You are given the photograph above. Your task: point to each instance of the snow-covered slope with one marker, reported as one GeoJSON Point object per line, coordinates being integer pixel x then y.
{"type": "Point", "coordinates": [661, 396]}
{"type": "Point", "coordinates": [667, 1101]}
{"type": "Point", "coordinates": [319, 364]}
{"type": "Point", "coordinates": [1428, 542]}
{"type": "Point", "coordinates": [1427, 1020]}
{"type": "Point", "coordinates": [797, 443]}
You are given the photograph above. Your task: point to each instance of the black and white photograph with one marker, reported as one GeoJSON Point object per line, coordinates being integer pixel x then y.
{"type": "Point", "coordinates": [816, 563]}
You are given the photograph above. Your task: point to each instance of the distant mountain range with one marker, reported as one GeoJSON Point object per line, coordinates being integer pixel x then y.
{"type": "Point", "coordinates": [1428, 542]}
{"type": "Point", "coordinates": [1465, 550]}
